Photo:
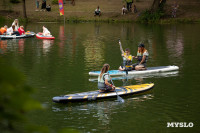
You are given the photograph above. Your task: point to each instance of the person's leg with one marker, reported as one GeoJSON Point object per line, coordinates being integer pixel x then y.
{"type": "Point", "coordinates": [121, 68]}
{"type": "Point", "coordinates": [140, 67]}
{"type": "Point", "coordinates": [134, 65]}
{"type": "Point", "coordinates": [127, 6]}
{"type": "Point", "coordinates": [128, 68]}
{"type": "Point", "coordinates": [95, 13]}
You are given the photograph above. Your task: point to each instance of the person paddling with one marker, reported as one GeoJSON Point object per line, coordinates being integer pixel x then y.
{"type": "Point", "coordinates": [142, 57]}
{"type": "Point", "coordinates": [104, 80]}
{"type": "Point", "coordinates": [127, 59]}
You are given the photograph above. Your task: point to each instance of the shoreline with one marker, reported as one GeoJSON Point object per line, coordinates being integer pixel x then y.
{"type": "Point", "coordinates": [103, 20]}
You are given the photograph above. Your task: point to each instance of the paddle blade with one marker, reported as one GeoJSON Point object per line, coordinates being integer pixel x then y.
{"type": "Point", "coordinates": [119, 99]}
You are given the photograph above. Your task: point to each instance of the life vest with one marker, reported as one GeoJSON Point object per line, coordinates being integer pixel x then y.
{"type": "Point", "coordinates": [127, 63]}
{"type": "Point", "coordinates": [140, 56]}
{"type": "Point", "coordinates": [101, 81]}
{"type": "Point", "coordinates": [3, 30]}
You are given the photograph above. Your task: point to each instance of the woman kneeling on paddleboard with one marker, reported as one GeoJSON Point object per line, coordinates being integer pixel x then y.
{"type": "Point", "coordinates": [142, 57]}
{"type": "Point", "coordinates": [104, 80]}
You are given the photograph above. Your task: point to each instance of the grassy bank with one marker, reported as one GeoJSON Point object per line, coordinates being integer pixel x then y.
{"type": "Point", "coordinates": [83, 11]}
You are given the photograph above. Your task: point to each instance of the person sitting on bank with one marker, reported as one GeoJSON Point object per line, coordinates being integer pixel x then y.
{"type": "Point", "coordinates": [142, 57]}
{"type": "Point", "coordinates": [46, 32]}
{"type": "Point", "coordinates": [3, 30]}
{"type": "Point", "coordinates": [124, 10]}
{"type": "Point", "coordinates": [134, 9]}
{"type": "Point", "coordinates": [97, 12]}
{"type": "Point", "coordinates": [127, 60]}
{"type": "Point", "coordinates": [104, 80]}
{"type": "Point", "coordinates": [48, 8]}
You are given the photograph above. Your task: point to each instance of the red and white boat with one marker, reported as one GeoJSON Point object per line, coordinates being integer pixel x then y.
{"type": "Point", "coordinates": [41, 36]}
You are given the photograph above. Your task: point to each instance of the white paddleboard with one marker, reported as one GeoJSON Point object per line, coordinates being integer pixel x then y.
{"type": "Point", "coordinates": [149, 70]}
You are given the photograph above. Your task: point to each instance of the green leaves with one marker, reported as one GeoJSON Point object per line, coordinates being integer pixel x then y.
{"type": "Point", "coordinates": [149, 16]}
{"type": "Point", "coordinates": [15, 97]}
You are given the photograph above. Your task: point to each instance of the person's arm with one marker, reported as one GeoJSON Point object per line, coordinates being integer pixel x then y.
{"type": "Point", "coordinates": [107, 83]}
{"type": "Point", "coordinates": [23, 32]}
{"type": "Point", "coordinates": [143, 59]}
{"type": "Point", "coordinates": [134, 57]}
{"type": "Point", "coordinates": [120, 45]}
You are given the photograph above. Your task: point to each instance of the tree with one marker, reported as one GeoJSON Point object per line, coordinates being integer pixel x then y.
{"type": "Point", "coordinates": [24, 8]}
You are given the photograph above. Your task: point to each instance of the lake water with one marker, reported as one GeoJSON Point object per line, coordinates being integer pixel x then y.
{"type": "Point", "coordinates": [61, 66]}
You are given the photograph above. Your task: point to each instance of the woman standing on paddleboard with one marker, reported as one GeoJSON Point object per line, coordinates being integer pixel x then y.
{"type": "Point", "coordinates": [104, 80]}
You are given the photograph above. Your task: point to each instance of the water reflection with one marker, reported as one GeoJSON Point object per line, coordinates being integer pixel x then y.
{"type": "Point", "coordinates": [21, 45]}
{"type": "Point", "coordinates": [3, 46]}
{"type": "Point", "coordinates": [46, 45]}
{"type": "Point", "coordinates": [12, 45]}
{"type": "Point", "coordinates": [62, 38]}
{"type": "Point", "coordinates": [101, 112]}
{"type": "Point", "coordinates": [175, 44]}
{"type": "Point", "coordinates": [94, 52]}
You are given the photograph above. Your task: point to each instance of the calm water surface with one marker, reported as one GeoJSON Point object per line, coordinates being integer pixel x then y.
{"type": "Point", "coordinates": [61, 66]}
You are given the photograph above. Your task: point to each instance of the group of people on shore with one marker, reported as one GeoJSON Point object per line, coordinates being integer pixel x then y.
{"type": "Point", "coordinates": [129, 7]}
{"type": "Point", "coordinates": [15, 29]}
{"type": "Point", "coordinates": [104, 79]}
{"type": "Point", "coordinates": [44, 6]}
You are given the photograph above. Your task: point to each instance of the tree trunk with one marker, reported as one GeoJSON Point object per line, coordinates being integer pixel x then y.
{"type": "Point", "coordinates": [155, 5]}
{"type": "Point", "coordinates": [24, 8]}
{"type": "Point", "coordinates": [158, 4]}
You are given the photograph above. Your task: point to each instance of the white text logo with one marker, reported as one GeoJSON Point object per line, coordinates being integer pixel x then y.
{"type": "Point", "coordinates": [179, 124]}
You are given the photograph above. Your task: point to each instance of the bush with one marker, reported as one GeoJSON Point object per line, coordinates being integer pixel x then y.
{"type": "Point", "coordinates": [150, 17]}
{"type": "Point", "coordinates": [14, 1]}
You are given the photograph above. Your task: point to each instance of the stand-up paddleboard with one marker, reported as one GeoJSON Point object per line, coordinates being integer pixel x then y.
{"type": "Point", "coordinates": [96, 95]}
{"type": "Point", "coordinates": [146, 75]}
{"type": "Point", "coordinates": [26, 35]}
{"type": "Point", "coordinates": [149, 70]}
{"type": "Point", "coordinates": [41, 36]}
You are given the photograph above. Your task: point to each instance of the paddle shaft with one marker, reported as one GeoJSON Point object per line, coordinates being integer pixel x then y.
{"type": "Point", "coordinates": [120, 44]}
{"type": "Point", "coordinates": [118, 97]}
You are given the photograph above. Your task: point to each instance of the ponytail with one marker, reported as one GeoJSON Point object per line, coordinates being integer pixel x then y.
{"type": "Point", "coordinates": [104, 69]}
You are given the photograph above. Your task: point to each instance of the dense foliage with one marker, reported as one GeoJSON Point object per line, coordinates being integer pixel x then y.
{"type": "Point", "coordinates": [150, 17]}
{"type": "Point", "coordinates": [15, 98]}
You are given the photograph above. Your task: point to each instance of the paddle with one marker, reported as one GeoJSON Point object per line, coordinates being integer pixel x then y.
{"type": "Point", "coordinates": [119, 99]}
{"type": "Point", "coordinates": [120, 44]}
